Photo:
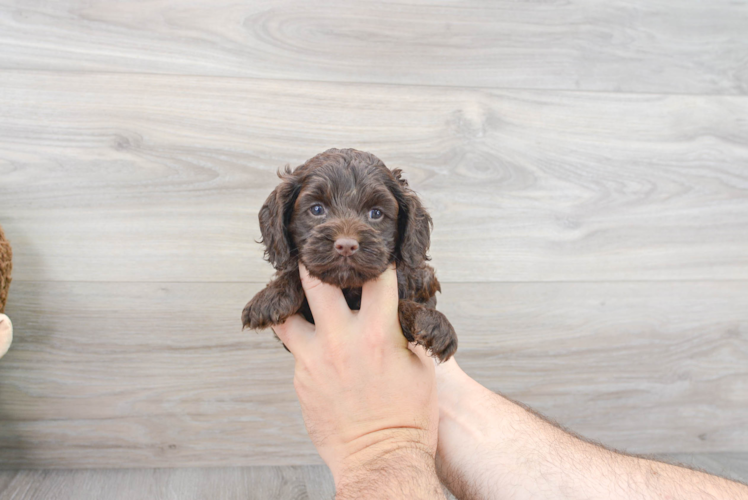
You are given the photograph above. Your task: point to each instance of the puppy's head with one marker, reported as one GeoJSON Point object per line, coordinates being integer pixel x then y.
{"type": "Point", "coordinates": [346, 216]}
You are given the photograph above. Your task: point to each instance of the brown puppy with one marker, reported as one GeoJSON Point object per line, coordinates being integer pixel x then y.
{"type": "Point", "coordinates": [346, 216]}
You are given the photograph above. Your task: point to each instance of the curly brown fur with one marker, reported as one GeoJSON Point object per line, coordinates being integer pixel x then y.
{"type": "Point", "coordinates": [349, 200]}
{"type": "Point", "coordinates": [6, 266]}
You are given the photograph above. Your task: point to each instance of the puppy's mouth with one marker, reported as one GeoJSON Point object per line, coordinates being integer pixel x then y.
{"type": "Point", "coordinates": [343, 271]}
{"type": "Point", "coordinates": [344, 260]}
{"type": "Point", "coordinates": [324, 262]}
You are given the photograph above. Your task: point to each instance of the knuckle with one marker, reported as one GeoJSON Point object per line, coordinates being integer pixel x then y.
{"type": "Point", "coordinates": [297, 384]}
{"type": "Point", "coordinates": [301, 373]}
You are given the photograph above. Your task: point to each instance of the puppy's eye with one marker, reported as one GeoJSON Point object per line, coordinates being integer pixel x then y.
{"type": "Point", "coordinates": [375, 213]}
{"type": "Point", "coordinates": [317, 209]}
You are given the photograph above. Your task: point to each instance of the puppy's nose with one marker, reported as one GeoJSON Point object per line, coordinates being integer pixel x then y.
{"type": "Point", "coordinates": [346, 246]}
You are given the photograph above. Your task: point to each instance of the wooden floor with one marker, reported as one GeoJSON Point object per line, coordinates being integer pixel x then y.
{"type": "Point", "coordinates": [585, 163]}
{"type": "Point", "coordinates": [307, 482]}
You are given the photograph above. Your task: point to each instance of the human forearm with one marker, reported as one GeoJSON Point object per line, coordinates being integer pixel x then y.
{"type": "Point", "coordinates": [400, 473]}
{"type": "Point", "coordinates": [475, 456]}
{"type": "Point", "coordinates": [490, 447]}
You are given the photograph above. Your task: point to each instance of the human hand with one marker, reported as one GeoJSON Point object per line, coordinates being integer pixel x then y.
{"type": "Point", "coordinates": [364, 394]}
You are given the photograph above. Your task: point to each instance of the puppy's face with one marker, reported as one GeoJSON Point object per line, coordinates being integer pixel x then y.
{"type": "Point", "coordinates": [346, 216]}
{"type": "Point", "coordinates": [344, 223]}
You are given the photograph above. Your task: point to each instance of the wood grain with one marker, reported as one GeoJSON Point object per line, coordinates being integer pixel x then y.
{"type": "Point", "coordinates": [730, 465]}
{"type": "Point", "coordinates": [160, 375]}
{"type": "Point", "coordinates": [229, 483]}
{"type": "Point", "coordinates": [159, 178]}
{"type": "Point", "coordinates": [585, 163]}
{"type": "Point", "coordinates": [664, 46]}
{"type": "Point", "coordinates": [311, 482]}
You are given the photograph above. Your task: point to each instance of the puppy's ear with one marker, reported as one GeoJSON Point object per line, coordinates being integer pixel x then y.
{"type": "Point", "coordinates": [275, 216]}
{"type": "Point", "coordinates": [413, 224]}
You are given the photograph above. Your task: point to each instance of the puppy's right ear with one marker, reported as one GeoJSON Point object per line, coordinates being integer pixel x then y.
{"type": "Point", "coordinates": [275, 215]}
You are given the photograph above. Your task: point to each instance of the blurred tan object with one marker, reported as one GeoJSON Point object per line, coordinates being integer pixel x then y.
{"type": "Point", "coordinates": [6, 327]}
{"type": "Point", "coordinates": [6, 334]}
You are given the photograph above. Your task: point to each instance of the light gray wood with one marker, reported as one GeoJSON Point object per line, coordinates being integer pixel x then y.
{"type": "Point", "coordinates": [178, 384]}
{"type": "Point", "coordinates": [230, 483]}
{"type": "Point", "coordinates": [593, 243]}
{"type": "Point", "coordinates": [636, 366]}
{"type": "Point", "coordinates": [159, 178]}
{"type": "Point", "coordinates": [320, 484]}
{"type": "Point", "coordinates": [730, 465]}
{"type": "Point", "coordinates": [685, 46]}
{"type": "Point", "coordinates": [160, 374]}
{"type": "Point", "coordinates": [262, 483]}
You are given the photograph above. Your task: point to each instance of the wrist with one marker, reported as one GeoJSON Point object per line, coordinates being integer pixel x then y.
{"type": "Point", "coordinates": [405, 470]}
{"type": "Point", "coordinates": [372, 448]}
{"type": "Point", "coordinates": [476, 428]}
{"type": "Point", "coordinates": [458, 393]}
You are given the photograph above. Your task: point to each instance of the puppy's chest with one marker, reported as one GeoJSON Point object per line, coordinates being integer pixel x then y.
{"type": "Point", "coordinates": [353, 297]}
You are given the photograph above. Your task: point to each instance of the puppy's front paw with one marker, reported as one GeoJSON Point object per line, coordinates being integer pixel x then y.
{"type": "Point", "coordinates": [265, 309]}
{"type": "Point", "coordinates": [429, 328]}
{"type": "Point", "coordinates": [434, 331]}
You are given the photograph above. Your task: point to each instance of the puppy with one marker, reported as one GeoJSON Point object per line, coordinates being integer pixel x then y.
{"type": "Point", "coordinates": [346, 216]}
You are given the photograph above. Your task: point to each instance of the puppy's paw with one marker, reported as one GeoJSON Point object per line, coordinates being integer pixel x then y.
{"type": "Point", "coordinates": [265, 310]}
{"type": "Point", "coordinates": [429, 328]}
{"type": "Point", "coordinates": [434, 332]}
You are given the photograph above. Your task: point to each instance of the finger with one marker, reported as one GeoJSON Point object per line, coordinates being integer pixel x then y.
{"type": "Point", "coordinates": [295, 332]}
{"type": "Point", "coordinates": [327, 302]}
{"type": "Point", "coordinates": [379, 298]}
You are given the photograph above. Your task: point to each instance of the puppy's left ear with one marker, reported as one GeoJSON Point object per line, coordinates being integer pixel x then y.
{"type": "Point", "coordinates": [413, 224]}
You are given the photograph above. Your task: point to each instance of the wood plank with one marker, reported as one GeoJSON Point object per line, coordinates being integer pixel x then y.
{"type": "Point", "coordinates": [160, 375]}
{"type": "Point", "coordinates": [642, 367]}
{"type": "Point", "coordinates": [159, 178]}
{"type": "Point", "coordinates": [730, 465]}
{"type": "Point", "coordinates": [188, 388]}
{"type": "Point", "coordinates": [226, 483]}
{"type": "Point", "coordinates": [310, 482]}
{"type": "Point", "coordinates": [266, 483]}
{"type": "Point", "coordinates": [684, 46]}
{"type": "Point", "coordinates": [320, 484]}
